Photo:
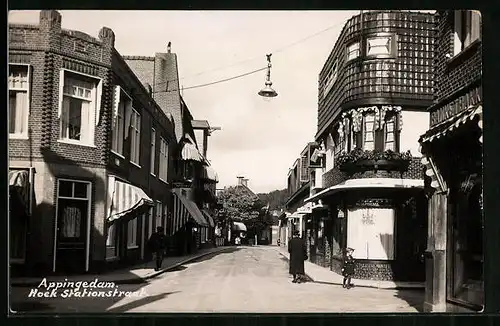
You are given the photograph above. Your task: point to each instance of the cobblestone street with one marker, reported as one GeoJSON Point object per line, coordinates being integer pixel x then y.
{"type": "Point", "coordinates": [247, 279]}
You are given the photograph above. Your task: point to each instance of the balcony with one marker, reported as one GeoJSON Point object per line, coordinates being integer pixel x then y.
{"type": "Point", "coordinates": [359, 160]}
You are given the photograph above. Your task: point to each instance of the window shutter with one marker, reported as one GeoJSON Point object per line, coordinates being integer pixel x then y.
{"type": "Point", "coordinates": [304, 169]}
{"type": "Point", "coordinates": [61, 87]}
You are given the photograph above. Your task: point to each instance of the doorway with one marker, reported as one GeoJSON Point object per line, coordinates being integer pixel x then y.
{"type": "Point", "coordinates": [72, 226]}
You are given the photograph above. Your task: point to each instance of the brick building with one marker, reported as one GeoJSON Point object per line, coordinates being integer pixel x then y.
{"type": "Point", "coordinates": [89, 149]}
{"type": "Point", "coordinates": [378, 75]}
{"type": "Point", "coordinates": [452, 149]}
{"type": "Point", "coordinates": [193, 181]}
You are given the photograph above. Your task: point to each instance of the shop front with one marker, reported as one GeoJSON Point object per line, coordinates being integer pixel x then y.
{"type": "Point", "coordinates": [383, 220]}
{"type": "Point", "coordinates": [452, 151]}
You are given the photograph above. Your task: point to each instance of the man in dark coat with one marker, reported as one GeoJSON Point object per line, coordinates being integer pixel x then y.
{"type": "Point", "coordinates": [156, 245]}
{"type": "Point", "coordinates": [298, 254]}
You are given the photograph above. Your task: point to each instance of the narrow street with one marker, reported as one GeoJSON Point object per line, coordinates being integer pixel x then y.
{"type": "Point", "coordinates": [247, 279]}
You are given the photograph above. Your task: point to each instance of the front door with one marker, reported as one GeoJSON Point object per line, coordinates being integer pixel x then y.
{"type": "Point", "coordinates": [72, 218]}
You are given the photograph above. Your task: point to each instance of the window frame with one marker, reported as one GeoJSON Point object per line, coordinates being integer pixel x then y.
{"type": "Point", "coordinates": [152, 154]}
{"type": "Point", "coordinates": [395, 131]}
{"type": "Point", "coordinates": [126, 108]}
{"type": "Point", "coordinates": [135, 132]}
{"type": "Point", "coordinates": [158, 214]}
{"type": "Point", "coordinates": [95, 108]}
{"type": "Point", "coordinates": [29, 67]}
{"type": "Point", "coordinates": [364, 131]}
{"type": "Point", "coordinates": [392, 42]}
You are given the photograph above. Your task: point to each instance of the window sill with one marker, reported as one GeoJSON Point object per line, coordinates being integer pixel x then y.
{"type": "Point", "coordinates": [132, 247]}
{"type": "Point", "coordinates": [137, 165]}
{"type": "Point", "coordinates": [154, 175]}
{"type": "Point", "coordinates": [457, 58]}
{"type": "Point", "coordinates": [118, 154]}
{"type": "Point", "coordinates": [18, 136]}
{"type": "Point", "coordinates": [166, 182]}
{"type": "Point", "coordinates": [72, 142]}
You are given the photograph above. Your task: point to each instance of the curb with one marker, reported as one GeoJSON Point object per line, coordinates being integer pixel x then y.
{"type": "Point", "coordinates": [137, 279]}
{"type": "Point", "coordinates": [310, 279]}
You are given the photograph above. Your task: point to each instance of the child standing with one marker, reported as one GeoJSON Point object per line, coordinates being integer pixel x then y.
{"type": "Point", "coordinates": [348, 268]}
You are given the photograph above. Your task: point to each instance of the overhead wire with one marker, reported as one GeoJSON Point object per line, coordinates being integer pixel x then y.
{"type": "Point", "coordinates": [282, 49]}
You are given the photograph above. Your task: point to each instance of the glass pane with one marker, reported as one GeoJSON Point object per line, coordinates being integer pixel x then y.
{"type": "Point", "coordinates": [65, 188]}
{"type": "Point", "coordinates": [81, 190]}
{"type": "Point", "coordinates": [12, 112]}
{"type": "Point", "coordinates": [71, 224]}
{"type": "Point", "coordinates": [18, 76]}
{"type": "Point", "coordinates": [75, 118]}
{"type": "Point", "coordinates": [110, 240]}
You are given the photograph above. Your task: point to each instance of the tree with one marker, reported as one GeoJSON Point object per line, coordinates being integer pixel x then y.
{"type": "Point", "coordinates": [239, 204]}
{"type": "Point", "coordinates": [276, 199]}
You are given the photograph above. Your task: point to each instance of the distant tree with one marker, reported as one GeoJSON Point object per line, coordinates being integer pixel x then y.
{"type": "Point", "coordinates": [239, 204]}
{"type": "Point", "coordinates": [276, 199]}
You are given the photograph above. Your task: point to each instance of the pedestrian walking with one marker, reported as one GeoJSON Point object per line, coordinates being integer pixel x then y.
{"type": "Point", "coordinates": [348, 268]}
{"type": "Point", "coordinates": [298, 254]}
{"type": "Point", "coordinates": [156, 245]}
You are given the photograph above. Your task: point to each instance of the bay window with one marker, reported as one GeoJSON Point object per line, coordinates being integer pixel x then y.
{"type": "Point", "coordinates": [78, 107]}
{"type": "Point", "coordinates": [122, 107]}
{"type": "Point", "coordinates": [370, 232]}
{"type": "Point", "coordinates": [19, 97]}
{"type": "Point", "coordinates": [467, 29]}
{"type": "Point", "coordinates": [135, 137]}
{"type": "Point", "coordinates": [163, 159]}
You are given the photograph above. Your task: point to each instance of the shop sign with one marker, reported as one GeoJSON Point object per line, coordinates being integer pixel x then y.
{"type": "Point", "coordinates": [456, 106]}
{"type": "Point", "coordinates": [306, 209]}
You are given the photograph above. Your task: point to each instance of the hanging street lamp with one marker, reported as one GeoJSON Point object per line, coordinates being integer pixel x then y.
{"type": "Point", "coordinates": [268, 92]}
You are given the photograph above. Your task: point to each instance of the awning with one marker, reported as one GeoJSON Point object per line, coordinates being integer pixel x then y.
{"type": "Point", "coordinates": [380, 183]}
{"type": "Point", "coordinates": [305, 209]}
{"type": "Point", "coordinates": [210, 174]}
{"type": "Point", "coordinates": [454, 122]}
{"type": "Point", "coordinates": [208, 217]}
{"type": "Point", "coordinates": [19, 181]}
{"type": "Point", "coordinates": [239, 226]}
{"type": "Point", "coordinates": [189, 152]}
{"type": "Point", "coordinates": [124, 198]}
{"type": "Point", "coordinates": [192, 210]}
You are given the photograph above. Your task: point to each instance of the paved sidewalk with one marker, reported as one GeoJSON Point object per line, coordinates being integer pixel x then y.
{"type": "Point", "coordinates": [320, 274]}
{"type": "Point", "coordinates": [132, 275]}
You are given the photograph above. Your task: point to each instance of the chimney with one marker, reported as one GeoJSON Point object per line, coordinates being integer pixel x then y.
{"type": "Point", "coordinates": [242, 181]}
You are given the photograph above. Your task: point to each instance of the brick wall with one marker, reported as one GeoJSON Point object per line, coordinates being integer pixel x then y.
{"type": "Point", "coordinates": [451, 75]}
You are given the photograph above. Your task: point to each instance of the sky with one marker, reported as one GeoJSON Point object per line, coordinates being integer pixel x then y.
{"type": "Point", "coordinates": [259, 139]}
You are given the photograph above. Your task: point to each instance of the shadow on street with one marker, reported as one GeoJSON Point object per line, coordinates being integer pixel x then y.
{"type": "Point", "coordinates": [212, 255]}
{"type": "Point", "coordinates": [140, 302]}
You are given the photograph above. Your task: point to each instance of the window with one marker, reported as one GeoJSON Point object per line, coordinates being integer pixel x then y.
{"type": "Point", "coordinates": [150, 221]}
{"type": "Point", "coordinates": [166, 222]}
{"type": "Point", "coordinates": [112, 241]}
{"type": "Point", "coordinates": [467, 29]}
{"type": "Point", "coordinates": [339, 142]}
{"type": "Point", "coordinates": [188, 170]}
{"type": "Point", "coordinates": [353, 51]}
{"type": "Point", "coordinates": [123, 104]}
{"type": "Point", "coordinates": [330, 79]}
{"type": "Point", "coordinates": [153, 153]}
{"type": "Point", "coordinates": [390, 139]}
{"type": "Point", "coordinates": [163, 159]}
{"type": "Point", "coordinates": [132, 233]}
{"type": "Point", "coordinates": [379, 46]}
{"type": "Point", "coordinates": [370, 232]}
{"type": "Point", "coordinates": [135, 137]}
{"type": "Point", "coordinates": [329, 153]}
{"type": "Point", "coordinates": [369, 132]}
{"type": "Point", "coordinates": [78, 107]}
{"type": "Point", "coordinates": [159, 210]}
{"type": "Point", "coordinates": [19, 86]}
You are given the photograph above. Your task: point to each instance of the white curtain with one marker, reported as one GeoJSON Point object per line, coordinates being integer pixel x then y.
{"type": "Point", "coordinates": [370, 232]}
{"type": "Point", "coordinates": [110, 240]}
{"type": "Point", "coordinates": [18, 112]}
{"type": "Point", "coordinates": [72, 219]}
